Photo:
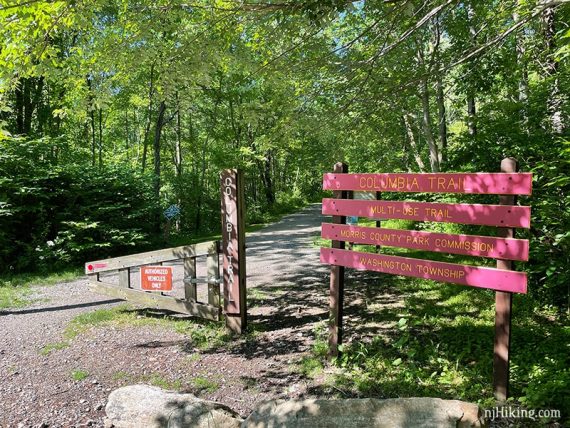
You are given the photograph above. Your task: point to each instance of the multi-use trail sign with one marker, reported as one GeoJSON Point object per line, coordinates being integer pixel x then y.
{"type": "Point", "coordinates": [503, 247]}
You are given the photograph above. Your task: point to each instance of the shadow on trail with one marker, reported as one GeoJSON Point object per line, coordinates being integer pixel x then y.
{"type": "Point", "coordinates": [60, 308]}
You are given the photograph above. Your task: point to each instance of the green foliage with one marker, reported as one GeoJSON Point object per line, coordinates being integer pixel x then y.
{"type": "Point", "coordinates": [204, 384]}
{"type": "Point", "coordinates": [56, 346]}
{"type": "Point", "coordinates": [79, 375]}
{"type": "Point", "coordinates": [444, 348]}
{"type": "Point", "coordinates": [550, 233]}
{"type": "Point", "coordinates": [94, 93]}
{"type": "Point", "coordinates": [55, 214]}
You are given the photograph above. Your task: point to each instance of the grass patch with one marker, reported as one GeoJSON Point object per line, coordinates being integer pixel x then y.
{"type": "Point", "coordinates": [194, 357]}
{"type": "Point", "coordinates": [47, 349]}
{"type": "Point", "coordinates": [79, 375]}
{"type": "Point", "coordinates": [155, 379]}
{"type": "Point", "coordinates": [442, 346]}
{"type": "Point", "coordinates": [311, 366]}
{"type": "Point", "coordinates": [16, 289]}
{"type": "Point", "coordinates": [120, 375]}
{"type": "Point", "coordinates": [204, 334]}
{"type": "Point", "coordinates": [205, 385]}
{"type": "Point", "coordinates": [319, 242]}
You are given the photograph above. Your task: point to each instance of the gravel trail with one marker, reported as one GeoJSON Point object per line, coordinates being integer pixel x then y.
{"type": "Point", "coordinates": [287, 295]}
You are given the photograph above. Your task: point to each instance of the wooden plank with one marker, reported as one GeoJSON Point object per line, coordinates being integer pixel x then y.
{"type": "Point", "coordinates": [125, 277]}
{"type": "Point", "coordinates": [472, 245]}
{"type": "Point", "coordinates": [473, 276]}
{"type": "Point", "coordinates": [190, 291]}
{"type": "Point", "coordinates": [479, 183]}
{"type": "Point", "coordinates": [157, 301]}
{"type": "Point", "coordinates": [336, 286]}
{"type": "Point", "coordinates": [233, 249]}
{"type": "Point", "coordinates": [151, 257]}
{"type": "Point", "coordinates": [489, 215]}
{"type": "Point", "coordinates": [213, 274]}
{"type": "Point", "coordinates": [503, 307]}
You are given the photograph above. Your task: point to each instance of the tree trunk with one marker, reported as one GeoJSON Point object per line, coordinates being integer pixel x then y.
{"type": "Point", "coordinates": [156, 150]}
{"type": "Point", "coordinates": [426, 124]}
{"type": "Point", "coordinates": [39, 105]}
{"type": "Point", "coordinates": [148, 119]}
{"type": "Point", "coordinates": [127, 131]}
{"type": "Point", "coordinates": [471, 115]}
{"type": "Point", "coordinates": [93, 139]}
{"type": "Point", "coordinates": [523, 74]}
{"type": "Point", "coordinates": [91, 108]}
{"type": "Point", "coordinates": [442, 120]}
{"type": "Point", "coordinates": [198, 221]}
{"type": "Point", "coordinates": [471, 106]}
{"type": "Point", "coordinates": [100, 138]}
{"type": "Point", "coordinates": [413, 147]}
{"type": "Point", "coordinates": [19, 95]}
{"type": "Point", "coordinates": [439, 95]}
{"type": "Point", "coordinates": [28, 106]}
{"type": "Point", "coordinates": [267, 179]}
{"type": "Point", "coordinates": [554, 105]}
{"type": "Point", "coordinates": [178, 142]}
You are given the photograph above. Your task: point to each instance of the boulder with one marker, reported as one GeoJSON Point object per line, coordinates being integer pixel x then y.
{"type": "Point", "coordinates": [367, 412]}
{"type": "Point", "coordinates": [150, 407]}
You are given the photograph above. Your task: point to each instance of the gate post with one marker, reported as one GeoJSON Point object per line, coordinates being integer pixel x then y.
{"type": "Point", "coordinates": [336, 299]}
{"type": "Point", "coordinates": [233, 250]}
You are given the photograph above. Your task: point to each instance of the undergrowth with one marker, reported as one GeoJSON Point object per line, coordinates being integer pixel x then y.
{"type": "Point", "coordinates": [441, 345]}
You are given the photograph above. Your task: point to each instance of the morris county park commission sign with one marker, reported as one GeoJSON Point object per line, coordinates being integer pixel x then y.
{"type": "Point", "coordinates": [505, 216]}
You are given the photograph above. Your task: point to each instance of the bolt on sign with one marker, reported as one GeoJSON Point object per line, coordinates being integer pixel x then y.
{"type": "Point", "coordinates": [504, 247]}
{"type": "Point", "coordinates": [233, 250]}
{"type": "Point", "coordinates": [156, 278]}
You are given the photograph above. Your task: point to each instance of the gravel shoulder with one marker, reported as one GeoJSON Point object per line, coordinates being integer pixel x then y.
{"type": "Point", "coordinates": [287, 294]}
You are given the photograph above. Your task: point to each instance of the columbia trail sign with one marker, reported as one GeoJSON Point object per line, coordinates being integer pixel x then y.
{"type": "Point", "coordinates": [505, 216]}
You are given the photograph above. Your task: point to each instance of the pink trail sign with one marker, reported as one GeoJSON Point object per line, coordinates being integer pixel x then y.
{"type": "Point", "coordinates": [472, 245]}
{"type": "Point", "coordinates": [488, 215]}
{"type": "Point", "coordinates": [481, 183]}
{"type": "Point", "coordinates": [474, 276]}
{"type": "Point", "coordinates": [503, 247]}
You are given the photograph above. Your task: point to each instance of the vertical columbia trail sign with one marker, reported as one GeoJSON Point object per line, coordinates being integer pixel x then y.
{"type": "Point", "coordinates": [233, 250]}
{"type": "Point", "coordinates": [505, 216]}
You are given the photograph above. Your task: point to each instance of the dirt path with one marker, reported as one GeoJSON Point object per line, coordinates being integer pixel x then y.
{"type": "Point", "coordinates": [287, 296]}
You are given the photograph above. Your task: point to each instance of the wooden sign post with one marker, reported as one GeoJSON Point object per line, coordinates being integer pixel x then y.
{"type": "Point", "coordinates": [337, 279]}
{"type": "Point", "coordinates": [233, 250]}
{"type": "Point", "coordinates": [503, 305]}
{"type": "Point", "coordinates": [503, 247]}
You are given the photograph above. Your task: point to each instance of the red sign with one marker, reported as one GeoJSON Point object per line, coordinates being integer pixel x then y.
{"type": "Point", "coordinates": [488, 215]}
{"type": "Point", "coordinates": [482, 246]}
{"type": "Point", "coordinates": [91, 267]}
{"type": "Point", "coordinates": [156, 278]}
{"type": "Point", "coordinates": [482, 183]}
{"type": "Point", "coordinates": [474, 276]}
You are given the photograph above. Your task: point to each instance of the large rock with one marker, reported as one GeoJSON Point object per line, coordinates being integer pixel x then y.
{"type": "Point", "coordinates": [147, 406]}
{"type": "Point", "coordinates": [367, 412]}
